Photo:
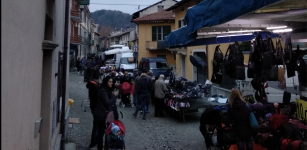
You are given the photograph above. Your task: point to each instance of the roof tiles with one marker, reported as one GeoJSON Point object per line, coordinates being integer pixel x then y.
{"type": "Point", "coordinates": [158, 17]}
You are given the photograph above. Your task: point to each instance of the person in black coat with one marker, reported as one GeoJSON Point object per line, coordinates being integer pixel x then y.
{"type": "Point", "coordinates": [93, 88]}
{"type": "Point", "coordinates": [106, 98]}
{"type": "Point", "coordinates": [143, 94]}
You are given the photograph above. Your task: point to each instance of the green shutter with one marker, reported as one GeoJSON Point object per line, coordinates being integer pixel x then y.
{"type": "Point", "coordinates": [166, 30]}
{"type": "Point", "coordinates": [154, 33]}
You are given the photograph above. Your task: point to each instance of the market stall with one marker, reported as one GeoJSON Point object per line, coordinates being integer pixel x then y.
{"type": "Point", "coordinates": [271, 59]}
{"type": "Point", "coordinates": [187, 97]}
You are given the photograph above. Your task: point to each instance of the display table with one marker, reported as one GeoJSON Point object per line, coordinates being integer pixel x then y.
{"type": "Point", "coordinates": [196, 104]}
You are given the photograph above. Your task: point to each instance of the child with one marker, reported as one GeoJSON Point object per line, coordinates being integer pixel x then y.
{"type": "Point", "coordinates": [115, 140]}
{"type": "Point", "coordinates": [132, 92]}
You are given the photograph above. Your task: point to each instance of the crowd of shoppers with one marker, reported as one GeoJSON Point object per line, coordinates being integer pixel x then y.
{"type": "Point", "coordinates": [143, 88]}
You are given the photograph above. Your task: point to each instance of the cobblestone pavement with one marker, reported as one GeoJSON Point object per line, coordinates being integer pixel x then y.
{"type": "Point", "coordinates": [167, 133]}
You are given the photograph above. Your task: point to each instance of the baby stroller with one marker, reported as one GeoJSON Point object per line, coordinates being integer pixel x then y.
{"type": "Point", "coordinates": [211, 128]}
{"type": "Point", "coordinates": [125, 94]}
{"type": "Point", "coordinates": [108, 131]}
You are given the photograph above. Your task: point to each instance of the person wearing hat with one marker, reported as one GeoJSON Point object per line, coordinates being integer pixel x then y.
{"type": "Point", "coordinates": [115, 140]}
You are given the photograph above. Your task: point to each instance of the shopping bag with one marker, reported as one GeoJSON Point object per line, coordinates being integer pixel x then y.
{"type": "Point", "coordinates": [278, 119]}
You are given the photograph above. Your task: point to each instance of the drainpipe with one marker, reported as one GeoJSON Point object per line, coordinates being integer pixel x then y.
{"type": "Point", "coordinates": [62, 131]}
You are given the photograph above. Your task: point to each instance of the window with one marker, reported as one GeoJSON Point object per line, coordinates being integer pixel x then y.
{"type": "Point", "coordinates": [125, 61]}
{"type": "Point", "coordinates": [162, 56]}
{"type": "Point", "coordinates": [160, 8]}
{"type": "Point", "coordinates": [181, 23]}
{"type": "Point", "coordinates": [159, 32]}
{"type": "Point", "coordinates": [181, 9]}
{"type": "Point", "coordinates": [158, 65]}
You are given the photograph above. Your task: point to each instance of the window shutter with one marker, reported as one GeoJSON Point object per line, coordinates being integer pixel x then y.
{"type": "Point", "coordinates": [166, 30]}
{"type": "Point", "coordinates": [154, 33]}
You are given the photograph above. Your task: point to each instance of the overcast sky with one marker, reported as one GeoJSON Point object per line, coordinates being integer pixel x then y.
{"type": "Point", "coordinates": [130, 8]}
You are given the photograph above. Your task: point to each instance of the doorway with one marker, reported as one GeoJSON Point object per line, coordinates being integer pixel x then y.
{"type": "Point", "coordinates": [183, 72]}
{"type": "Point", "coordinates": [200, 74]}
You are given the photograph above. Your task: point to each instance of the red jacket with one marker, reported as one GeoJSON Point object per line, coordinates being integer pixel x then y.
{"type": "Point", "coordinates": [132, 89]}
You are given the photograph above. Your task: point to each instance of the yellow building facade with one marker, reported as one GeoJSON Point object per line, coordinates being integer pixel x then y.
{"type": "Point", "coordinates": [152, 30]}
{"type": "Point", "coordinates": [146, 43]}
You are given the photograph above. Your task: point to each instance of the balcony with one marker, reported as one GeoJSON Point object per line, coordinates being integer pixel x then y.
{"type": "Point", "coordinates": [75, 39]}
{"type": "Point", "coordinates": [76, 16]}
{"type": "Point", "coordinates": [155, 45]}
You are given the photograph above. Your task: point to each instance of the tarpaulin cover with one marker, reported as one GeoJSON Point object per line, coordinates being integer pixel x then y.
{"type": "Point", "coordinates": [196, 61]}
{"type": "Point", "coordinates": [179, 37]}
{"type": "Point", "coordinates": [209, 13]}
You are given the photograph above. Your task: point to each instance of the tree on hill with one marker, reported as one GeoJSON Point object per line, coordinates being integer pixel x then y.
{"type": "Point", "coordinates": [112, 18]}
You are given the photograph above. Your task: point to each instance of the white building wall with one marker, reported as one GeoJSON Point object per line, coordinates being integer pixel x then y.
{"type": "Point", "coordinates": [21, 70]}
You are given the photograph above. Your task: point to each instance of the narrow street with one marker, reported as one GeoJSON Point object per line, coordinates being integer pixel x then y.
{"type": "Point", "coordinates": [168, 133]}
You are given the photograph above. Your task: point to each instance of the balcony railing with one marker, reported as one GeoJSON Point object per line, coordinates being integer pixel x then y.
{"type": "Point", "coordinates": [155, 45]}
{"type": "Point", "coordinates": [76, 16]}
{"type": "Point", "coordinates": [75, 38]}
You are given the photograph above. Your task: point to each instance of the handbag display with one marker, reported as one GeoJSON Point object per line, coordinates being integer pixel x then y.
{"type": "Point", "coordinates": [286, 98]}
{"type": "Point", "coordinates": [251, 63]}
{"type": "Point", "coordinates": [252, 119]}
{"type": "Point", "coordinates": [265, 54]}
{"type": "Point", "coordinates": [228, 59]}
{"type": "Point", "coordinates": [272, 74]}
{"type": "Point", "coordinates": [240, 73]}
{"type": "Point", "coordinates": [277, 119]}
{"type": "Point", "coordinates": [281, 71]}
{"type": "Point", "coordinates": [238, 63]}
{"type": "Point", "coordinates": [217, 77]}
{"type": "Point", "coordinates": [218, 56]}
{"type": "Point", "coordinates": [288, 49]}
{"type": "Point", "coordinates": [302, 70]}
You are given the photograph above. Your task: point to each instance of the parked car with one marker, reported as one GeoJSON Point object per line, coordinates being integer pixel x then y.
{"type": "Point", "coordinates": [156, 64]}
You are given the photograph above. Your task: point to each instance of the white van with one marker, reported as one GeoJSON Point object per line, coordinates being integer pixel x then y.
{"type": "Point", "coordinates": [118, 47]}
{"type": "Point", "coordinates": [126, 61]}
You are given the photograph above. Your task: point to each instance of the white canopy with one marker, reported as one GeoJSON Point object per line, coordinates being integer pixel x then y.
{"type": "Point", "coordinates": [115, 51]}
